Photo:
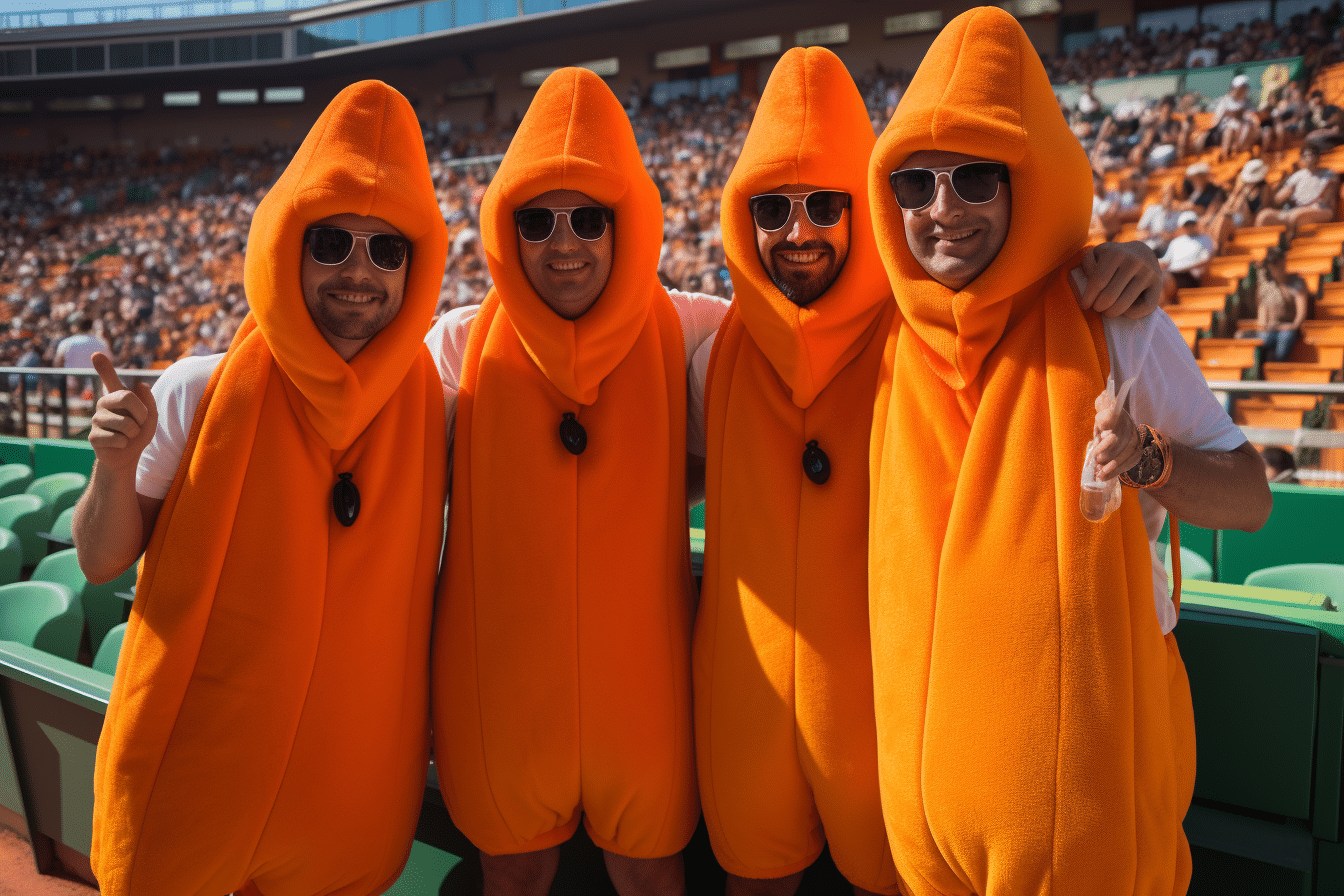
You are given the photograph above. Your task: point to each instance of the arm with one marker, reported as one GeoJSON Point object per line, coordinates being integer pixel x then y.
{"type": "Point", "coordinates": [112, 522]}
{"type": "Point", "coordinates": [1300, 311]}
{"type": "Point", "coordinates": [1212, 489]}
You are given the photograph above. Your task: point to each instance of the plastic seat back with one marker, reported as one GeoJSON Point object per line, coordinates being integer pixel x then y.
{"type": "Point", "coordinates": [100, 605]}
{"type": "Point", "coordinates": [59, 490]}
{"type": "Point", "coordinates": [26, 516]}
{"type": "Point", "coordinates": [110, 650]}
{"type": "Point", "coordinates": [11, 557]}
{"type": "Point", "coordinates": [44, 615]}
{"type": "Point", "coordinates": [1317, 578]}
{"type": "Point", "coordinates": [64, 525]}
{"type": "Point", "coordinates": [14, 478]}
{"type": "Point", "coordinates": [1193, 566]}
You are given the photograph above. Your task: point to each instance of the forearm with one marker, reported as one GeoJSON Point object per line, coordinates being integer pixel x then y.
{"type": "Point", "coordinates": [112, 523]}
{"type": "Point", "coordinates": [1217, 489]}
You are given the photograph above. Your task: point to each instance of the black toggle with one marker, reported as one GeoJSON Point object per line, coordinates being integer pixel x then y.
{"type": "Point", "coordinates": [572, 434]}
{"type": "Point", "coordinates": [345, 499]}
{"type": "Point", "coordinates": [816, 464]}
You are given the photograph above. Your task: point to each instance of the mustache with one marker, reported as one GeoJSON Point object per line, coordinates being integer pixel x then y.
{"type": "Point", "coordinates": [345, 284]}
{"type": "Point", "coordinates": [808, 246]}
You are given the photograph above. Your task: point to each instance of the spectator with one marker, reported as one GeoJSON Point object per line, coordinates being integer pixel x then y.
{"type": "Point", "coordinates": [1248, 196]}
{"type": "Point", "coordinates": [1158, 222]}
{"type": "Point", "coordinates": [1324, 122]}
{"type": "Point", "coordinates": [1308, 196]}
{"type": "Point", "coordinates": [76, 350]}
{"type": "Point", "coordinates": [1279, 465]}
{"type": "Point", "coordinates": [1234, 121]}
{"type": "Point", "coordinates": [1281, 305]}
{"type": "Point", "coordinates": [1186, 257]}
{"type": "Point", "coordinates": [1200, 194]}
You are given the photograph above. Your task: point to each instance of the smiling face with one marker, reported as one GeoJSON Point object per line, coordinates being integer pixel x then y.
{"type": "Point", "coordinates": [801, 258]}
{"type": "Point", "coordinates": [351, 301]}
{"type": "Point", "coordinates": [567, 272]}
{"type": "Point", "coordinates": [953, 240]}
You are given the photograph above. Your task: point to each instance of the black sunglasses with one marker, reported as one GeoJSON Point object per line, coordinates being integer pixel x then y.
{"type": "Point", "coordinates": [975, 183]}
{"type": "Point", "coordinates": [588, 222]}
{"type": "Point", "coordinates": [824, 208]}
{"type": "Point", "coordinates": [333, 245]}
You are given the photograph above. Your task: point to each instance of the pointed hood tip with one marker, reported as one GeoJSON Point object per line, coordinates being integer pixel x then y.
{"type": "Point", "coordinates": [364, 155]}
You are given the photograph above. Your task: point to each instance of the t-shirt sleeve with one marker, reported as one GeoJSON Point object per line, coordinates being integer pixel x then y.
{"type": "Point", "coordinates": [447, 341]}
{"type": "Point", "coordinates": [177, 394]}
{"type": "Point", "coordinates": [700, 316]}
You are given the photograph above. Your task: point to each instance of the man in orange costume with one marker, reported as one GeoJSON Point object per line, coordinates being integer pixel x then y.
{"type": "Point", "coordinates": [1034, 727]}
{"type": "Point", "coordinates": [786, 746]}
{"type": "Point", "coordinates": [269, 727]}
{"type": "Point", "coordinates": [562, 636]}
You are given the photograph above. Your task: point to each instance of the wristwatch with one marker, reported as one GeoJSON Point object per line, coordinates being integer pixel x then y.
{"type": "Point", "coordinates": [1154, 467]}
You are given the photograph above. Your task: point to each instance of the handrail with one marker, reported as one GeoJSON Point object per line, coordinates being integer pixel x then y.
{"type": "Point", "coordinates": [1266, 386]}
{"type": "Point", "coordinates": [149, 10]}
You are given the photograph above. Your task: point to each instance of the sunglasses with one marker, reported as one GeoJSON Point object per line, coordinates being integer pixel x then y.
{"type": "Point", "coordinates": [588, 222]}
{"type": "Point", "coordinates": [975, 183]}
{"type": "Point", "coordinates": [824, 208]}
{"type": "Point", "coordinates": [333, 245]}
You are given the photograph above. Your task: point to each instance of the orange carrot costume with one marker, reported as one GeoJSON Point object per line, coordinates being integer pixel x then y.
{"type": "Point", "coordinates": [269, 726]}
{"type": "Point", "coordinates": [562, 635]}
{"type": "Point", "coordinates": [1034, 727]}
{"type": "Point", "coordinates": [783, 681]}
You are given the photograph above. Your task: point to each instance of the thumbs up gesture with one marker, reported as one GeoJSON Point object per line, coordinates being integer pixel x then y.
{"type": "Point", "coordinates": [124, 420]}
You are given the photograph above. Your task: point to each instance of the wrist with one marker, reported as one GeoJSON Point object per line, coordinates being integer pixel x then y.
{"type": "Point", "coordinates": [1155, 461]}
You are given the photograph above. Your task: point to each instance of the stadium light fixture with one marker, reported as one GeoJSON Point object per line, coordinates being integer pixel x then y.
{"type": "Point", "coordinates": [1025, 9]}
{"type": "Point", "coordinates": [912, 23]}
{"type": "Point", "coordinates": [182, 98]}
{"type": "Point", "coordinates": [753, 48]}
{"type": "Point", "coordinates": [825, 36]}
{"type": "Point", "coordinates": [246, 97]}
{"type": "Point", "coordinates": [283, 94]}
{"type": "Point", "coordinates": [682, 58]}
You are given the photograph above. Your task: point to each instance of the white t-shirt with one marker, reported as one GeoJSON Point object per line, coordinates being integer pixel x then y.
{"type": "Point", "coordinates": [179, 390]}
{"type": "Point", "coordinates": [700, 316]}
{"type": "Point", "coordinates": [1170, 395]}
{"type": "Point", "coordinates": [77, 350]}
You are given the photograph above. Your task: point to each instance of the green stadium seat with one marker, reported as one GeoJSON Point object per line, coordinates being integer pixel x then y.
{"type": "Point", "coordinates": [1304, 528]}
{"type": "Point", "coordinates": [110, 650]}
{"type": "Point", "coordinates": [44, 615]}
{"type": "Point", "coordinates": [11, 557]}
{"type": "Point", "coordinates": [1316, 578]}
{"type": "Point", "coordinates": [16, 451]}
{"type": "Point", "coordinates": [1194, 568]}
{"type": "Point", "coordinates": [59, 490]}
{"type": "Point", "coordinates": [61, 535]}
{"type": "Point", "coordinates": [101, 607]}
{"type": "Point", "coordinates": [26, 516]}
{"type": "Point", "coordinates": [14, 478]}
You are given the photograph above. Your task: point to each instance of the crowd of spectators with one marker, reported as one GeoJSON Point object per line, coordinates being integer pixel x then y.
{"type": "Point", "coordinates": [150, 247]}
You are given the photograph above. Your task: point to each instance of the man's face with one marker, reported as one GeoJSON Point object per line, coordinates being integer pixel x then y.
{"type": "Point", "coordinates": [353, 300]}
{"type": "Point", "coordinates": [1308, 159]}
{"type": "Point", "coordinates": [802, 258]}
{"type": "Point", "coordinates": [567, 272]}
{"type": "Point", "coordinates": [954, 240]}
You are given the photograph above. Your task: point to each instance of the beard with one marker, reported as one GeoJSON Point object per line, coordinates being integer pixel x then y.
{"type": "Point", "coordinates": [804, 287]}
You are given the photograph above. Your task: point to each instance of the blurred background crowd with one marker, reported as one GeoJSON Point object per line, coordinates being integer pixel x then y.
{"type": "Point", "coordinates": [146, 252]}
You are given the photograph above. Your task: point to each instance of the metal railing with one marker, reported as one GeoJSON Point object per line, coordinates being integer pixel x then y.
{"type": "Point", "coordinates": [1302, 436]}
{"type": "Point", "coordinates": [51, 402]}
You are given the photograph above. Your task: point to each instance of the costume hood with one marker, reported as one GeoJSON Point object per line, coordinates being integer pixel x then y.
{"type": "Point", "coordinates": [811, 127]}
{"type": "Point", "coordinates": [981, 90]}
{"type": "Point", "coordinates": [576, 136]}
{"type": "Point", "coordinates": [365, 155]}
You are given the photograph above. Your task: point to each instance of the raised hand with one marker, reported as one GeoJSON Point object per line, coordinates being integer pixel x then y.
{"type": "Point", "coordinates": [1117, 440]}
{"type": "Point", "coordinates": [124, 420]}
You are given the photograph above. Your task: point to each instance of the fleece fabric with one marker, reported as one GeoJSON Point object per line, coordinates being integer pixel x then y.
{"type": "Point", "coordinates": [269, 725]}
{"type": "Point", "coordinates": [1034, 726]}
{"type": "Point", "coordinates": [562, 637]}
{"type": "Point", "coordinates": [785, 738]}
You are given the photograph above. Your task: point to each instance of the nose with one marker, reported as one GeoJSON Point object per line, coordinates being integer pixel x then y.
{"type": "Point", "coordinates": [358, 265]}
{"type": "Point", "coordinates": [801, 228]}
{"type": "Point", "coordinates": [563, 238]}
{"type": "Point", "coordinates": [946, 206]}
